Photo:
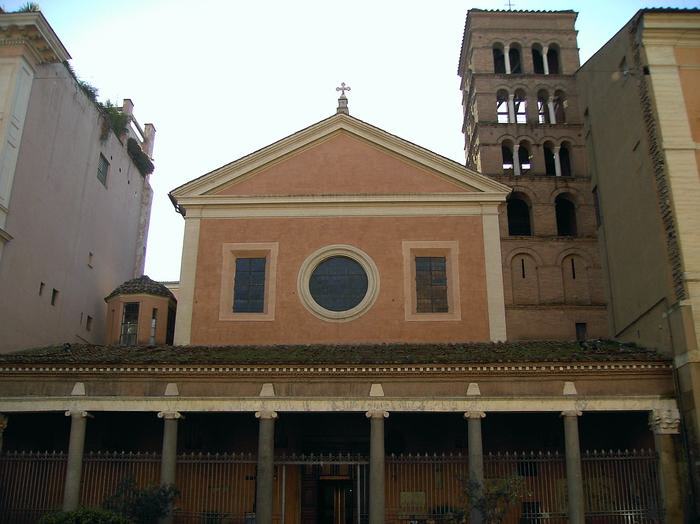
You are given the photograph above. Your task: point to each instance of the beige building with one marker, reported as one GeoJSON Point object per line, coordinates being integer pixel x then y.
{"type": "Point", "coordinates": [523, 129]}
{"type": "Point", "coordinates": [640, 97]}
{"type": "Point", "coordinates": [74, 197]}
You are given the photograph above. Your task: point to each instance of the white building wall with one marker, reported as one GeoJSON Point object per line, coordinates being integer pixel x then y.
{"type": "Point", "coordinates": [59, 213]}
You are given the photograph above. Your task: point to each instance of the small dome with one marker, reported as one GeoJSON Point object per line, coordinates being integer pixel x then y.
{"type": "Point", "coordinates": [142, 285]}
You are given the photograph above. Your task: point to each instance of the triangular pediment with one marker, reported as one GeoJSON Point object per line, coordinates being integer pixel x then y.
{"type": "Point", "coordinates": [341, 163]}
{"type": "Point", "coordinates": [340, 155]}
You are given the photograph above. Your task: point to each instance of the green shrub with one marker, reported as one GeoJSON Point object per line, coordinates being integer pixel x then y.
{"type": "Point", "coordinates": [143, 163]}
{"type": "Point", "coordinates": [114, 119]}
{"type": "Point", "coordinates": [141, 505]}
{"type": "Point", "coordinates": [84, 516]}
{"type": "Point", "coordinates": [494, 498]}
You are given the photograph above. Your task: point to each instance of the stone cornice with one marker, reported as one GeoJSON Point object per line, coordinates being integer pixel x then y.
{"type": "Point", "coordinates": [341, 205]}
{"type": "Point", "coordinates": [490, 369]}
{"type": "Point", "coordinates": [671, 28]}
{"type": "Point", "coordinates": [334, 404]}
{"type": "Point", "coordinates": [34, 32]}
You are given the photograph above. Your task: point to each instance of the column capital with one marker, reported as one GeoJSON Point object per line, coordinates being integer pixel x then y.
{"type": "Point", "coordinates": [266, 414]}
{"type": "Point", "coordinates": [77, 413]}
{"type": "Point", "coordinates": [571, 413]}
{"type": "Point", "coordinates": [3, 422]}
{"type": "Point", "coordinates": [665, 421]}
{"type": "Point", "coordinates": [170, 415]}
{"type": "Point", "coordinates": [474, 414]}
{"type": "Point", "coordinates": [377, 413]}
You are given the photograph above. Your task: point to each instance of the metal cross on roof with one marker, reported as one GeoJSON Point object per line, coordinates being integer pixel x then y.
{"type": "Point", "coordinates": [510, 5]}
{"type": "Point", "coordinates": [343, 88]}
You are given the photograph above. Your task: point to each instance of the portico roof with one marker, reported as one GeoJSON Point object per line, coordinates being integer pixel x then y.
{"type": "Point", "coordinates": [376, 354]}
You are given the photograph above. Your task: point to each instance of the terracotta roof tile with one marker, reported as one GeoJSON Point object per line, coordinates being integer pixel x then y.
{"type": "Point", "coordinates": [142, 284]}
{"type": "Point", "coordinates": [459, 353]}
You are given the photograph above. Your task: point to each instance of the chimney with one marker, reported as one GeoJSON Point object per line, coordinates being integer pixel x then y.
{"type": "Point", "coordinates": [149, 136]}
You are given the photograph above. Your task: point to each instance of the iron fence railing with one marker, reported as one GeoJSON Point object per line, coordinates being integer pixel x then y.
{"type": "Point", "coordinates": [619, 486]}
{"type": "Point", "coordinates": [541, 477]}
{"type": "Point", "coordinates": [104, 470]}
{"type": "Point", "coordinates": [215, 487]}
{"type": "Point", "coordinates": [424, 487]}
{"type": "Point", "coordinates": [31, 484]}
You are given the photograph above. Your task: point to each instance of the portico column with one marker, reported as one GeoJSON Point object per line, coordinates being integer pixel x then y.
{"type": "Point", "coordinates": [168, 457]}
{"type": "Point", "coordinates": [550, 107]}
{"type": "Point", "coordinates": [3, 425]}
{"type": "Point", "coordinates": [74, 468]}
{"type": "Point", "coordinates": [511, 108]}
{"type": "Point", "coordinates": [544, 59]}
{"type": "Point", "coordinates": [516, 160]}
{"type": "Point", "coordinates": [557, 161]}
{"type": "Point", "coordinates": [266, 467]}
{"type": "Point", "coordinates": [664, 424]}
{"type": "Point", "coordinates": [506, 58]}
{"type": "Point", "coordinates": [476, 457]}
{"type": "Point", "coordinates": [376, 465]}
{"type": "Point", "coordinates": [574, 478]}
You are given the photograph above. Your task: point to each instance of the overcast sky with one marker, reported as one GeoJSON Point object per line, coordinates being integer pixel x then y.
{"type": "Point", "coordinates": [220, 79]}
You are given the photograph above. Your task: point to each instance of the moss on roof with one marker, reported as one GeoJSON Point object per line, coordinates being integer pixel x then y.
{"type": "Point", "coordinates": [376, 354]}
{"type": "Point", "coordinates": [142, 284]}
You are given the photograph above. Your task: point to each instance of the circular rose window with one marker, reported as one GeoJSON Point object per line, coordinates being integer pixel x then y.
{"type": "Point", "coordinates": [338, 283]}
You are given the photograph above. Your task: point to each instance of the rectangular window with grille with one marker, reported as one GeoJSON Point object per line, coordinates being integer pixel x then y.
{"type": "Point", "coordinates": [431, 285]}
{"type": "Point", "coordinates": [102, 170]}
{"type": "Point", "coordinates": [130, 324]}
{"type": "Point", "coordinates": [249, 285]}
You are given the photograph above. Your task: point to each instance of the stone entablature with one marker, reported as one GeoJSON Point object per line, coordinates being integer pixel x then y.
{"type": "Point", "coordinates": [602, 375]}
{"type": "Point", "coordinates": [33, 32]}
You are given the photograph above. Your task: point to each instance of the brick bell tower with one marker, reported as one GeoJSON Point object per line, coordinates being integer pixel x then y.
{"type": "Point", "coordinates": [523, 128]}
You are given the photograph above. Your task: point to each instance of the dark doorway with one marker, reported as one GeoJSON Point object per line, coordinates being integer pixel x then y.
{"type": "Point", "coordinates": [335, 501]}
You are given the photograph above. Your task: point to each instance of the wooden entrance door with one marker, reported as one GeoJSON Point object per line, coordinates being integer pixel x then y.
{"type": "Point", "coordinates": [335, 502]}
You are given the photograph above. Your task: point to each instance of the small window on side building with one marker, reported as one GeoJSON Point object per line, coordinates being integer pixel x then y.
{"type": "Point", "coordinates": [154, 325]}
{"type": "Point", "coordinates": [88, 323]}
{"type": "Point", "coordinates": [54, 296]}
{"type": "Point", "coordinates": [41, 288]}
{"type": "Point", "coordinates": [581, 331]}
{"type": "Point", "coordinates": [102, 170]}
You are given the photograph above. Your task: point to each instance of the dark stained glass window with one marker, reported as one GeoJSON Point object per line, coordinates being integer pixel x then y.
{"type": "Point", "coordinates": [249, 286]}
{"type": "Point", "coordinates": [431, 285]}
{"type": "Point", "coordinates": [338, 283]}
